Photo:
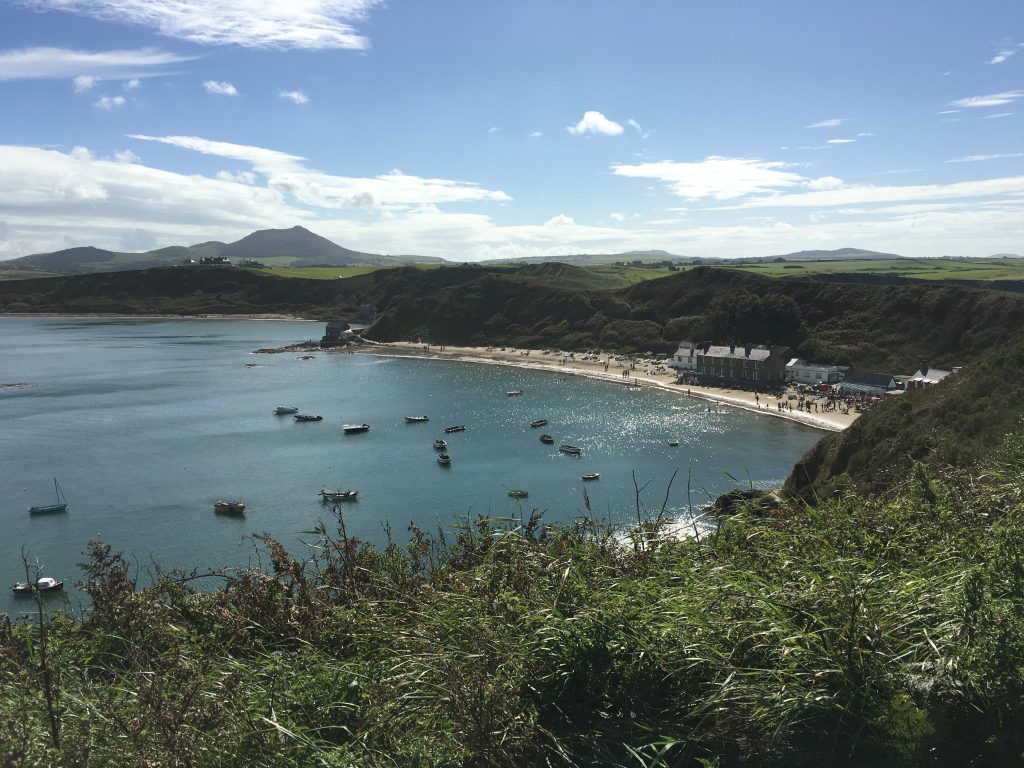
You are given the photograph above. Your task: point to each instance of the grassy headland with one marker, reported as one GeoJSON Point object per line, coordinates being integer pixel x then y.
{"type": "Point", "coordinates": [860, 632]}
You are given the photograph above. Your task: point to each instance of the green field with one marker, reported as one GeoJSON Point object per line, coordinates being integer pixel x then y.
{"type": "Point", "coordinates": [920, 269]}
{"type": "Point", "coordinates": [332, 273]}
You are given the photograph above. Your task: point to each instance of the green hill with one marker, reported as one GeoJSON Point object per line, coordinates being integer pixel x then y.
{"type": "Point", "coordinates": [296, 246]}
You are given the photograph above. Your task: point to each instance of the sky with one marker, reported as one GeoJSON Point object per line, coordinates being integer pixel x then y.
{"type": "Point", "coordinates": [476, 129]}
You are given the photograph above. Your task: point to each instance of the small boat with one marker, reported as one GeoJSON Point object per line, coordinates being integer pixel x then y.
{"type": "Point", "coordinates": [674, 442]}
{"type": "Point", "coordinates": [330, 496]}
{"type": "Point", "coordinates": [514, 392]}
{"type": "Point", "coordinates": [572, 450]}
{"type": "Point", "coordinates": [46, 509]}
{"type": "Point", "coordinates": [548, 439]}
{"type": "Point", "coordinates": [352, 429]}
{"type": "Point", "coordinates": [283, 410]}
{"type": "Point", "coordinates": [440, 445]}
{"type": "Point", "coordinates": [44, 584]}
{"type": "Point", "coordinates": [592, 476]}
{"type": "Point", "coordinates": [416, 419]}
{"type": "Point", "coordinates": [229, 507]}
{"type": "Point", "coordinates": [518, 493]}
{"type": "Point", "coordinates": [457, 428]}
{"type": "Point", "coordinates": [539, 423]}
{"type": "Point", "coordinates": [444, 459]}
{"type": "Point", "coordinates": [308, 417]}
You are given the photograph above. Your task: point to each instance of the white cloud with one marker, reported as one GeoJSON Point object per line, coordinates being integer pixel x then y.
{"type": "Point", "coordinates": [561, 220]}
{"type": "Point", "coordinates": [950, 111]}
{"type": "Point", "coordinates": [634, 124]}
{"type": "Point", "coordinates": [721, 178]}
{"type": "Point", "coordinates": [126, 156]}
{"type": "Point", "coordinates": [84, 83]}
{"type": "Point", "coordinates": [131, 85]}
{"type": "Point", "coordinates": [308, 24]}
{"type": "Point", "coordinates": [834, 122]}
{"type": "Point", "coordinates": [825, 182]}
{"type": "Point", "coordinates": [840, 141]}
{"type": "Point", "coordinates": [617, 216]}
{"type": "Point", "coordinates": [61, 63]}
{"type": "Point", "coordinates": [979, 158]}
{"type": "Point", "coordinates": [109, 102]}
{"type": "Point", "coordinates": [288, 175]}
{"type": "Point", "coordinates": [865, 134]}
{"type": "Point", "coordinates": [996, 116]}
{"type": "Point", "coordinates": [860, 194]}
{"type": "Point", "coordinates": [220, 88]}
{"type": "Point", "coordinates": [1005, 53]}
{"type": "Point", "coordinates": [990, 100]}
{"type": "Point", "coordinates": [536, 135]}
{"type": "Point", "coordinates": [493, 130]}
{"type": "Point", "coordinates": [297, 97]}
{"type": "Point", "coordinates": [595, 122]}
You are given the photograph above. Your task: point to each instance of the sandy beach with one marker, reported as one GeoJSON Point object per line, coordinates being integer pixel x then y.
{"type": "Point", "coordinates": [642, 375]}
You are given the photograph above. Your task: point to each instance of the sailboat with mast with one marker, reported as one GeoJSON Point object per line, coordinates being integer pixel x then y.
{"type": "Point", "coordinates": [47, 509]}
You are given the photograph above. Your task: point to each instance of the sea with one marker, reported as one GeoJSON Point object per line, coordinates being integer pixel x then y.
{"type": "Point", "coordinates": [146, 423]}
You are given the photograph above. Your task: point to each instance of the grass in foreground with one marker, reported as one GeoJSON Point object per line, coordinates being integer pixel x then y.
{"type": "Point", "coordinates": [920, 269]}
{"type": "Point", "coordinates": [867, 631]}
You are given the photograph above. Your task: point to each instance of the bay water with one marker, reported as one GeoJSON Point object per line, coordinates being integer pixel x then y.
{"type": "Point", "coordinates": [145, 423]}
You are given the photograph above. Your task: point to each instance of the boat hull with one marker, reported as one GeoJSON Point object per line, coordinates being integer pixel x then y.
{"type": "Point", "coordinates": [48, 509]}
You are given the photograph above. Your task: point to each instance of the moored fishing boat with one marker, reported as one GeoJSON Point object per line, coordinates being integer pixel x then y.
{"type": "Point", "coordinates": [674, 442]}
{"type": "Point", "coordinates": [332, 496]}
{"type": "Point", "coordinates": [353, 429]}
{"type": "Point", "coordinates": [456, 428]}
{"type": "Point", "coordinates": [572, 450]}
{"type": "Point", "coordinates": [444, 459]}
{"type": "Point", "coordinates": [547, 439]}
{"type": "Point", "coordinates": [308, 417]}
{"type": "Point", "coordinates": [416, 419]}
{"type": "Point", "coordinates": [229, 507]}
{"type": "Point", "coordinates": [514, 392]}
{"type": "Point", "coordinates": [46, 509]}
{"type": "Point", "coordinates": [591, 476]}
{"type": "Point", "coordinates": [43, 584]}
{"type": "Point", "coordinates": [518, 493]}
{"type": "Point", "coordinates": [539, 423]}
{"type": "Point", "coordinates": [282, 410]}
{"type": "Point", "coordinates": [440, 445]}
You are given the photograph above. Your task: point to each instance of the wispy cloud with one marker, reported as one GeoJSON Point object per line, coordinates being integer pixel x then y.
{"type": "Point", "coordinates": [979, 158]}
{"type": "Point", "coordinates": [720, 178]}
{"type": "Point", "coordinates": [840, 141]}
{"type": "Point", "coordinates": [296, 97]}
{"type": "Point", "coordinates": [131, 85]}
{"type": "Point", "coordinates": [868, 194]}
{"type": "Point", "coordinates": [308, 24]}
{"type": "Point", "coordinates": [1005, 53]}
{"type": "Point", "coordinates": [834, 122]}
{"type": "Point", "coordinates": [594, 122]}
{"type": "Point", "coordinates": [536, 134]}
{"type": "Point", "coordinates": [84, 83]}
{"type": "Point", "coordinates": [989, 100]}
{"type": "Point", "coordinates": [220, 88]}
{"type": "Point", "coordinates": [61, 63]}
{"type": "Point", "coordinates": [286, 173]}
{"type": "Point", "coordinates": [110, 102]}
{"type": "Point", "coordinates": [996, 115]}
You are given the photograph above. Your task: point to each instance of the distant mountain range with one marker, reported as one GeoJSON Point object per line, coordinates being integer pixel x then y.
{"type": "Point", "coordinates": [295, 247]}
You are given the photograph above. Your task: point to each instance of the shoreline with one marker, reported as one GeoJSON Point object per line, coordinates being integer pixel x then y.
{"type": "Point", "coordinates": [513, 358]}
{"type": "Point", "coordinates": [121, 316]}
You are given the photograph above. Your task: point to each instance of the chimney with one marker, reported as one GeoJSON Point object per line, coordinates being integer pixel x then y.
{"type": "Point", "coordinates": [707, 346]}
{"type": "Point", "coordinates": [732, 348]}
{"type": "Point", "coordinates": [746, 350]}
{"type": "Point", "coordinates": [924, 367]}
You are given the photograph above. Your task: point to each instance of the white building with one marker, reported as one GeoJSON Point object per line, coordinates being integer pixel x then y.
{"type": "Point", "coordinates": [803, 372]}
{"type": "Point", "coordinates": [685, 358]}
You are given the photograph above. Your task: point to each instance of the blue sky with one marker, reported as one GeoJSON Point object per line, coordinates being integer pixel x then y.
{"type": "Point", "coordinates": [475, 130]}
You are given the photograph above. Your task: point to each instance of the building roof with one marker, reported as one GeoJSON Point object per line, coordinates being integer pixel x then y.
{"type": "Point", "coordinates": [864, 378]}
{"type": "Point", "coordinates": [799, 363]}
{"type": "Point", "coordinates": [931, 376]}
{"type": "Point", "coordinates": [737, 353]}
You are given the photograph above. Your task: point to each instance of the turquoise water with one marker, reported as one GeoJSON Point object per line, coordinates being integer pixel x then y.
{"type": "Point", "coordinates": [146, 423]}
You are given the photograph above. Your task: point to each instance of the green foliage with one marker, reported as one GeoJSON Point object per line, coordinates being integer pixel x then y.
{"type": "Point", "coordinates": [863, 631]}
